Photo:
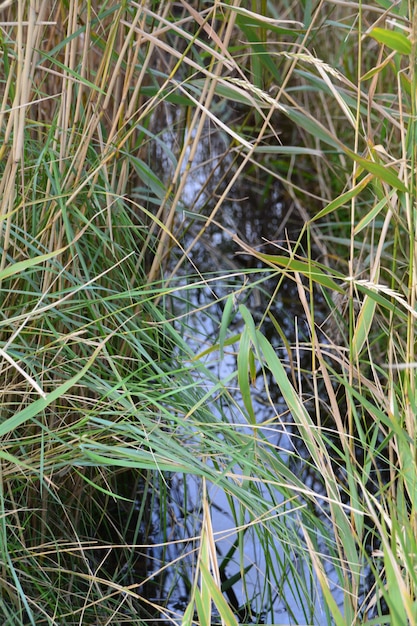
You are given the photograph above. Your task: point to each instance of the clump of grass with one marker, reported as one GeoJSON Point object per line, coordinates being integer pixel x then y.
{"type": "Point", "coordinates": [365, 382]}
{"type": "Point", "coordinates": [100, 388]}
{"type": "Point", "coordinates": [105, 400]}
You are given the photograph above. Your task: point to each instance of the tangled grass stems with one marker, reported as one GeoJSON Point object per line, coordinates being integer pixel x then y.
{"type": "Point", "coordinates": [109, 393]}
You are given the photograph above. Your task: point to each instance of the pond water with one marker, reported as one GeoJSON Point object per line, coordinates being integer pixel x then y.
{"type": "Point", "coordinates": [263, 220]}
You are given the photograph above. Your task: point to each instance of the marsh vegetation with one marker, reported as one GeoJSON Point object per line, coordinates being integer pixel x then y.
{"type": "Point", "coordinates": [185, 186]}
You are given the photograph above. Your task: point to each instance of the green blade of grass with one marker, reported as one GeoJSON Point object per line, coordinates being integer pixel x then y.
{"type": "Point", "coordinates": [393, 39]}
{"type": "Point", "coordinates": [31, 411]}
{"type": "Point", "coordinates": [22, 266]}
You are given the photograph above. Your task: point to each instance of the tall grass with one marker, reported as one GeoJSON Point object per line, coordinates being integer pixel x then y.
{"type": "Point", "coordinates": [109, 396]}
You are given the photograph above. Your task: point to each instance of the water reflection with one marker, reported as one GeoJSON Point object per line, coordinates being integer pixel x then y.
{"type": "Point", "coordinates": [256, 212]}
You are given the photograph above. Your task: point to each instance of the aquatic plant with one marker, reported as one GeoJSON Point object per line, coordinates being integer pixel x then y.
{"type": "Point", "coordinates": [130, 131]}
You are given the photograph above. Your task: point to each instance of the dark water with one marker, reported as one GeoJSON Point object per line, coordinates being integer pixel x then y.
{"type": "Point", "coordinates": [257, 212]}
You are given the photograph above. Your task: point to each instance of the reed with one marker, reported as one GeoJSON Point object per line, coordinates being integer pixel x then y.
{"type": "Point", "coordinates": [115, 411]}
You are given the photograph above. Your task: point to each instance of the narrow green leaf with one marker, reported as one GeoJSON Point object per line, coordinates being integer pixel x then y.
{"type": "Point", "coordinates": [227, 342]}
{"type": "Point", "coordinates": [200, 605]}
{"type": "Point", "coordinates": [250, 324]}
{"type": "Point", "coordinates": [393, 39]}
{"type": "Point", "coordinates": [232, 92]}
{"type": "Point", "coordinates": [70, 72]}
{"type": "Point", "coordinates": [187, 619]}
{"type": "Point", "coordinates": [278, 371]}
{"type": "Point", "coordinates": [290, 150]}
{"type": "Point", "coordinates": [243, 372]}
{"type": "Point", "coordinates": [372, 214]}
{"type": "Point", "coordinates": [22, 266]}
{"type": "Point", "coordinates": [232, 580]}
{"type": "Point", "coordinates": [140, 459]}
{"type": "Point", "coordinates": [225, 323]}
{"type": "Point", "coordinates": [40, 405]}
{"type": "Point", "coordinates": [363, 326]}
{"type": "Point", "coordinates": [344, 198]}
{"type": "Point", "coordinates": [223, 608]}
{"type": "Point", "coordinates": [313, 127]}
{"type": "Point", "coordinates": [151, 91]}
{"type": "Point", "coordinates": [395, 584]}
{"type": "Point", "coordinates": [149, 178]}
{"type": "Point", "coordinates": [408, 468]}
{"type": "Point", "coordinates": [204, 611]}
{"type": "Point", "coordinates": [385, 173]}
{"type": "Point", "coordinates": [395, 306]}
{"type": "Point", "coordinates": [246, 20]}
{"type": "Point", "coordinates": [311, 271]}
{"type": "Point", "coordinates": [376, 70]}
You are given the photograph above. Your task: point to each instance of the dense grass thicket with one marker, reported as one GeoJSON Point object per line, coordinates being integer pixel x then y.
{"type": "Point", "coordinates": [127, 128]}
